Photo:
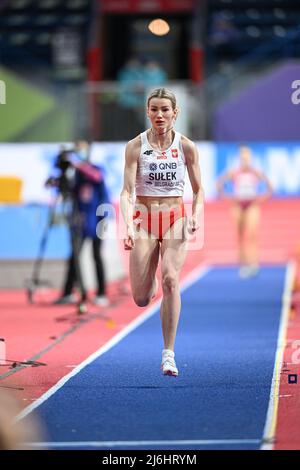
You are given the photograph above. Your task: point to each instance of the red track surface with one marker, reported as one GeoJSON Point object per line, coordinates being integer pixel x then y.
{"type": "Point", "coordinates": [288, 429]}
{"type": "Point", "coordinates": [288, 426]}
{"type": "Point", "coordinates": [29, 330]}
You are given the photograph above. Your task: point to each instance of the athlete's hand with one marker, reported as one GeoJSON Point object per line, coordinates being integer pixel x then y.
{"type": "Point", "coordinates": [193, 224]}
{"type": "Point", "coordinates": [129, 240]}
{"type": "Point", "coordinates": [262, 198]}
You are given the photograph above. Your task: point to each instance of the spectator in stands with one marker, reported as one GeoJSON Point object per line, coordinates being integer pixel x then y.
{"type": "Point", "coordinates": [131, 81]}
{"type": "Point", "coordinates": [131, 95]}
{"type": "Point", "coordinates": [134, 79]}
{"type": "Point", "coordinates": [154, 74]}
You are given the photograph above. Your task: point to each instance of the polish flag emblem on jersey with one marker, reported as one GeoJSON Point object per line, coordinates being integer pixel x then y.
{"type": "Point", "coordinates": [174, 153]}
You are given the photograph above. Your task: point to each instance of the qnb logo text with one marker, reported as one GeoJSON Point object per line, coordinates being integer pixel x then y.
{"type": "Point", "coordinates": [295, 97]}
{"type": "Point", "coordinates": [2, 92]}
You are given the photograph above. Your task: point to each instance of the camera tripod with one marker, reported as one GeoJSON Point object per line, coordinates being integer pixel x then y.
{"type": "Point", "coordinates": [35, 281]}
{"type": "Point", "coordinates": [75, 226]}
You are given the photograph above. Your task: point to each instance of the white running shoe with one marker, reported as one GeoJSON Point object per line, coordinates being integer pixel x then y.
{"type": "Point", "coordinates": [168, 364]}
{"type": "Point", "coordinates": [248, 271]}
{"type": "Point", "coordinates": [101, 300]}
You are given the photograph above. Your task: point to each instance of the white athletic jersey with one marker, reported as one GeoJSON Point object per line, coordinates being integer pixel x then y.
{"type": "Point", "coordinates": [245, 181]}
{"type": "Point", "coordinates": [160, 173]}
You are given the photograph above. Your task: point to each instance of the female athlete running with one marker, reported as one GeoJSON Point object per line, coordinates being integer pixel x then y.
{"type": "Point", "coordinates": [154, 214]}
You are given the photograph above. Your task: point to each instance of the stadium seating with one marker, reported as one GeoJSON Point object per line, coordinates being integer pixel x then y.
{"type": "Point", "coordinates": [32, 23]}
{"type": "Point", "coordinates": [237, 27]}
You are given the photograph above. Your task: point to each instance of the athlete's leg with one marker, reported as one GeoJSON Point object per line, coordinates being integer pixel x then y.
{"type": "Point", "coordinates": [173, 253]}
{"type": "Point", "coordinates": [252, 218]}
{"type": "Point", "coordinates": [239, 220]}
{"type": "Point", "coordinates": [142, 266]}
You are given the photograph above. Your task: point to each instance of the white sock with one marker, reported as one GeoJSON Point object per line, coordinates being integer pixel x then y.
{"type": "Point", "coordinates": [168, 352]}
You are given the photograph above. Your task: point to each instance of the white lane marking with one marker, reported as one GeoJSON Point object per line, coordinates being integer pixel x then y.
{"type": "Point", "coordinates": [271, 421]}
{"type": "Point", "coordinates": [110, 444]}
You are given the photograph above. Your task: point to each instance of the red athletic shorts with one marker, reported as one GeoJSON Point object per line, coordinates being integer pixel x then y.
{"type": "Point", "coordinates": [158, 222]}
{"type": "Point", "coordinates": [244, 204]}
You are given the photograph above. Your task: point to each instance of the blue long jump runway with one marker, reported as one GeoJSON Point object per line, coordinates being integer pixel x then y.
{"type": "Point", "coordinates": [225, 352]}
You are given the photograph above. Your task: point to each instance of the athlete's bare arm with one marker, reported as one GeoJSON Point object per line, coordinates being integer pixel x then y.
{"type": "Point", "coordinates": [269, 190]}
{"type": "Point", "coordinates": [228, 176]}
{"type": "Point", "coordinates": [194, 172]}
{"type": "Point", "coordinates": [127, 195]}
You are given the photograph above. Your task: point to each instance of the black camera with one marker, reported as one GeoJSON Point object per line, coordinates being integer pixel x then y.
{"type": "Point", "coordinates": [65, 182]}
{"type": "Point", "coordinates": [63, 160]}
